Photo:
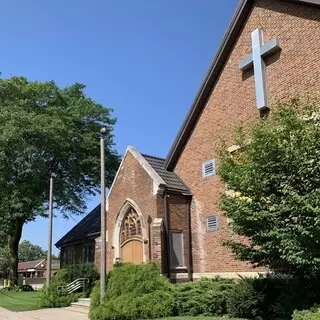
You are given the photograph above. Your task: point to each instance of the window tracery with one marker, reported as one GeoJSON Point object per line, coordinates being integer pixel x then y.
{"type": "Point", "coordinates": [131, 226]}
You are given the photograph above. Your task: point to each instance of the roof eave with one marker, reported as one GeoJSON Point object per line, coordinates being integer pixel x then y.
{"type": "Point", "coordinates": [183, 192]}
{"type": "Point", "coordinates": [79, 241]}
{"type": "Point", "coordinates": [212, 77]}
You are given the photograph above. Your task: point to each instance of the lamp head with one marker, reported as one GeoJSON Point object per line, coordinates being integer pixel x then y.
{"type": "Point", "coordinates": [103, 131]}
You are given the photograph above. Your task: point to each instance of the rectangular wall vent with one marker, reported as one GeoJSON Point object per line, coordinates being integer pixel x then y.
{"type": "Point", "coordinates": [212, 223]}
{"type": "Point", "coordinates": [209, 168]}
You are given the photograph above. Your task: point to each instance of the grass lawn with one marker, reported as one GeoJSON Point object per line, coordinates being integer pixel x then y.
{"type": "Point", "coordinates": [19, 301]}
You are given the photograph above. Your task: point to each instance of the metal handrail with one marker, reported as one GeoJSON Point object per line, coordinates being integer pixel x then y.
{"type": "Point", "coordinates": [74, 285]}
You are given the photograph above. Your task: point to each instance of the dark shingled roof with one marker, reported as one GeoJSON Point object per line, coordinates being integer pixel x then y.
{"type": "Point", "coordinates": [170, 178]}
{"type": "Point", "coordinates": [88, 228]}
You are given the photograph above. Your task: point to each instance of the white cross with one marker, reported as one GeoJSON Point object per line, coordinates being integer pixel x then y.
{"type": "Point", "coordinates": [260, 50]}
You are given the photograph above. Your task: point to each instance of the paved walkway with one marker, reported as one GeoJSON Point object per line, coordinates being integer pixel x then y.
{"type": "Point", "coordinates": [43, 314]}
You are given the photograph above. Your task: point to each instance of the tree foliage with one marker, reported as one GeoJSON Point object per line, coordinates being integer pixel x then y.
{"type": "Point", "coordinates": [45, 129]}
{"type": "Point", "coordinates": [29, 252]}
{"type": "Point", "coordinates": [276, 184]}
{"type": "Point", "coordinates": [4, 262]}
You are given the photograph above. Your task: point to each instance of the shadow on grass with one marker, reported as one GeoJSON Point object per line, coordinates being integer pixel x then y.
{"type": "Point", "coordinates": [19, 301]}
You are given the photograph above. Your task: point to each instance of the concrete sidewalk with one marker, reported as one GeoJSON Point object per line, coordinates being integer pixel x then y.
{"type": "Point", "coordinates": [43, 314]}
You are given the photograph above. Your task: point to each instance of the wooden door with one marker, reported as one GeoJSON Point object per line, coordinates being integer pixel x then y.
{"type": "Point", "coordinates": [132, 251]}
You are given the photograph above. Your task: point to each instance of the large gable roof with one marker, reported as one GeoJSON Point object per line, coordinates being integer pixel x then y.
{"type": "Point", "coordinates": [213, 74]}
{"type": "Point", "coordinates": [88, 228]}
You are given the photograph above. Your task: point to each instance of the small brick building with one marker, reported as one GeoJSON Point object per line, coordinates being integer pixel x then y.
{"type": "Point", "coordinates": [167, 210]}
{"type": "Point", "coordinates": [79, 244]}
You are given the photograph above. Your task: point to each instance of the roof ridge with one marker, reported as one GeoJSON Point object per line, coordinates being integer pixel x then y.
{"type": "Point", "coordinates": [155, 157]}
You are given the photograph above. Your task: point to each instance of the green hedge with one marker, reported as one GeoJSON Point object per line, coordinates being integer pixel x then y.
{"type": "Point", "coordinates": [133, 292]}
{"type": "Point", "coordinates": [204, 297]}
{"type": "Point", "coordinates": [140, 292]}
{"type": "Point", "coordinates": [272, 297]}
{"type": "Point", "coordinates": [51, 297]}
{"type": "Point", "coordinates": [88, 271]}
{"type": "Point", "coordinates": [24, 287]}
{"type": "Point", "coordinates": [313, 314]}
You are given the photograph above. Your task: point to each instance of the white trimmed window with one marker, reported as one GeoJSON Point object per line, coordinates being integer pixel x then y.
{"type": "Point", "coordinates": [212, 223]}
{"type": "Point", "coordinates": [209, 168]}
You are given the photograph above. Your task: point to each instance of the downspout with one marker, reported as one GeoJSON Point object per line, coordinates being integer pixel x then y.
{"type": "Point", "coordinates": [167, 234]}
{"type": "Point", "coordinates": [189, 240]}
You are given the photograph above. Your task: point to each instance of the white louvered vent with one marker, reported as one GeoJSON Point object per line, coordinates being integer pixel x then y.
{"type": "Point", "coordinates": [209, 168]}
{"type": "Point", "coordinates": [212, 223]}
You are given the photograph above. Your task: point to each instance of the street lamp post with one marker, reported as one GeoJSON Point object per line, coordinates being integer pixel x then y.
{"type": "Point", "coordinates": [103, 269]}
{"type": "Point", "coordinates": [49, 257]}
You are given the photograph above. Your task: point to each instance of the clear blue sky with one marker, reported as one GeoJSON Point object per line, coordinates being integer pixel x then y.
{"type": "Point", "coordinates": [145, 59]}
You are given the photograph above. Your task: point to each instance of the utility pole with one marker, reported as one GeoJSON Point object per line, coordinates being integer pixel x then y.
{"type": "Point", "coordinates": [49, 257]}
{"type": "Point", "coordinates": [103, 269]}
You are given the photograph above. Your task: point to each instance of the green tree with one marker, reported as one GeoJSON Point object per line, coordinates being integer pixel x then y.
{"type": "Point", "coordinates": [29, 252]}
{"type": "Point", "coordinates": [4, 262]}
{"type": "Point", "coordinates": [276, 184]}
{"type": "Point", "coordinates": [46, 129]}
{"type": "Point", "coordinates": [26, 252]}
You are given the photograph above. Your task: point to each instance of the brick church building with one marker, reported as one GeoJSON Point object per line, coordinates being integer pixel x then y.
{"type": "Point", "coordinates": [167, 210]}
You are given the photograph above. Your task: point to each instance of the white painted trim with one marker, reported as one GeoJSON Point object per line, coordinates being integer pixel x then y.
{"type": "Point", "coordinates": [39, 263]}
{"type": "Point", "coordinates": [158, 182]}
{"type": "Point", "coordinates": [228, 275]}
{"type": "Point", "coordinates": [179, 276]}
{"type": "Point", "coordinates": [157, 223]}
{"type": "Point", "coordinates": [117, 228]}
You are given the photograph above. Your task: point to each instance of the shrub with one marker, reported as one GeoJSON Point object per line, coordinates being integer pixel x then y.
{"type": "Point", "coordinates": [134, 292]}
{"type": "Point", "coordinates": [88, 271]}
{"type": "Point", "coordinates": [204, 297]}
{"type": "Point", "coordinates": [313, 314]}
{"type": "Point", "coordinates": [51, 297]}
{"type": "Point", "coordinates": [25, 287]}
{"type": "Point", "coordinates": [272, 297]}
{"type": "Point", "coordinates": [244, 300]}
{"type": "Point", "coordinates": [95, 296]}
{"type": "Point", "coordinates": [16, 288]}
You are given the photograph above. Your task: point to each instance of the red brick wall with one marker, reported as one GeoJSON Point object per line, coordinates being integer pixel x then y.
{"type": "Point", "coordinates": [296, 70]}
{"type": "Point", "coordinates": [135, 183]}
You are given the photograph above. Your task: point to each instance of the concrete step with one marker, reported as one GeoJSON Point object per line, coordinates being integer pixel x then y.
{"type": "Point", "coordinates": [80, 306]}
{"type": "Point", "coordinates": [85, 301]}
{"type": "Point", "coordinates": [77, 309]}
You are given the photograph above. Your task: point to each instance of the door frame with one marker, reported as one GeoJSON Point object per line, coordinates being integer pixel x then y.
{"type": "Point", "coordinates": [128, 203]}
